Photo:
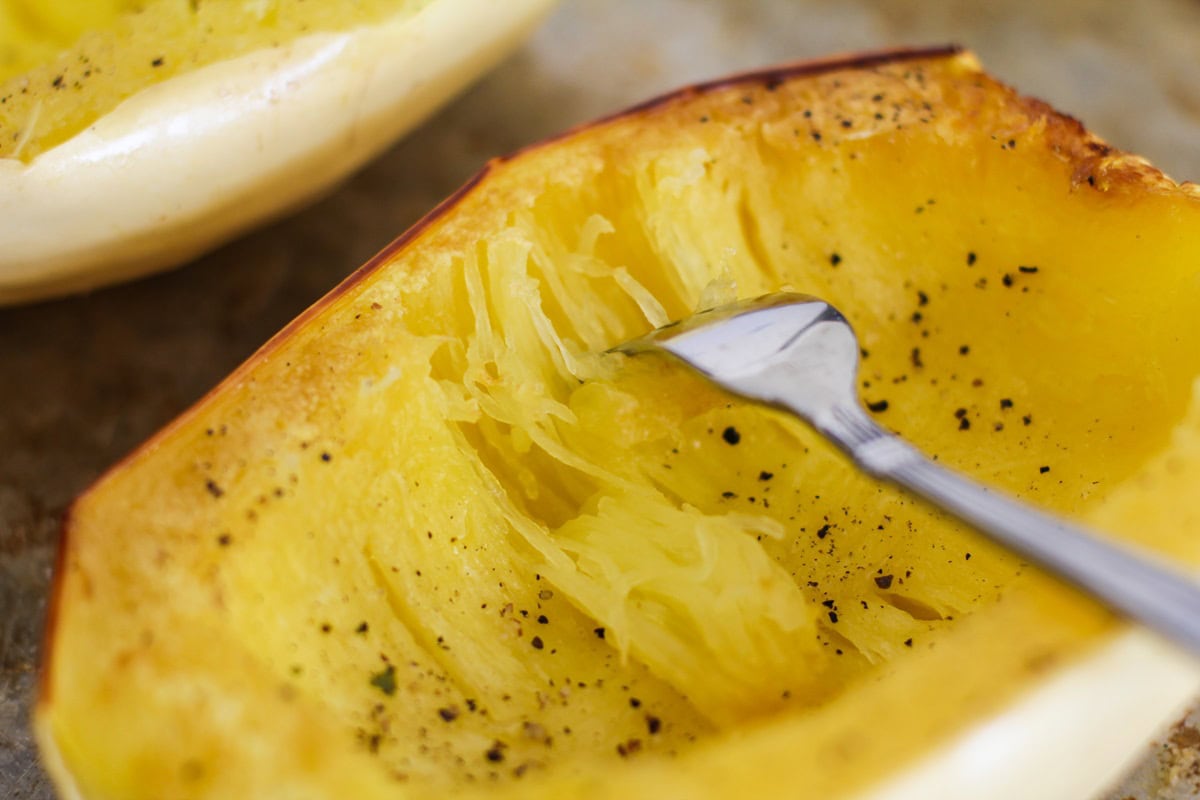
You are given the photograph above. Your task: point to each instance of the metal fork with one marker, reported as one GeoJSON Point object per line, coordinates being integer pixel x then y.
{"type": "Point", "coordinates": [799, 354]}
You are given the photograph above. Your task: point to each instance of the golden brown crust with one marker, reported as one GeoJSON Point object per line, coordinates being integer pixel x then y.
{"type": "Point", "coordinates": [769, 78]}
{"type": "Point", "coordinates": [1095, 162]}
{"type": "Point", "coordinates": [44, 694]}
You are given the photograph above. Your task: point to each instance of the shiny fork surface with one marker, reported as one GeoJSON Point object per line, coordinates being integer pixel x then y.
{"type": "Point", "coordinates": [799, 354]}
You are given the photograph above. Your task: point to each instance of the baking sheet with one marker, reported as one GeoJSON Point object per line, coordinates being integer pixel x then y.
{"type": "Point", "coordinates": [84, 380]}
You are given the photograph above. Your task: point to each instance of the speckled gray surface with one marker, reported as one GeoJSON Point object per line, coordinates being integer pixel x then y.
{"type": "Point", "coordinates": [83, 380]}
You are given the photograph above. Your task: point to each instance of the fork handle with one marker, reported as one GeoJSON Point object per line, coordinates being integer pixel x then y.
{"type": "Point", "coordinates": [1126, 579]}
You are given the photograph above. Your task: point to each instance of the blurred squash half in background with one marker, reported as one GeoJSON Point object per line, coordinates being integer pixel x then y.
{"type": "Point", "coordinates": [135, 136]}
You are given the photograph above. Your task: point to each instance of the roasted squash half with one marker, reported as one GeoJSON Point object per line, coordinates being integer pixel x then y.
{"type": "Point", "coordinates": [136, 134]}
{"type": "Point", "coordinates": [431, 539]}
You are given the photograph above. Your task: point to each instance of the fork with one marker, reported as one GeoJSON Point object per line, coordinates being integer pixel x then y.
{"type": "Point", "coordinates": [799, 354]}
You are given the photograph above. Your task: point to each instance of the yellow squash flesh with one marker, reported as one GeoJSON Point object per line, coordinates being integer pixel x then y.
{"type": "Point", "coordinates": [136, 135]}
{"type": "Point", "coordinates": [430, 540]}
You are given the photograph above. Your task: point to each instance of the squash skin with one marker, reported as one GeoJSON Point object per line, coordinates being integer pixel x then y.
{"type": "Point", "coordinates": [185, 165]}
{"type": "Point", "coordinates": [1093, 164]}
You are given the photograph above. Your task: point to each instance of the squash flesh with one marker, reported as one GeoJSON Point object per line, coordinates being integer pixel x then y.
{"type": "Point", "coordinates": [441, 449]}
{"type": "Point", "coordinates": [63, 64]}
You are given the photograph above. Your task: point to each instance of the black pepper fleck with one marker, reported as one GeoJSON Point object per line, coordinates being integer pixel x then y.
{"type": "Point", "coordinates": [537, 643]}
{"type": "Point", "coordinates": [731, 435]}
{"type": "Point", "coordinates": [884, 581]}
{"type": "Point", "coordinates": [385, 681]}
{"type": "Point", "coordinates": [629, 748]}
